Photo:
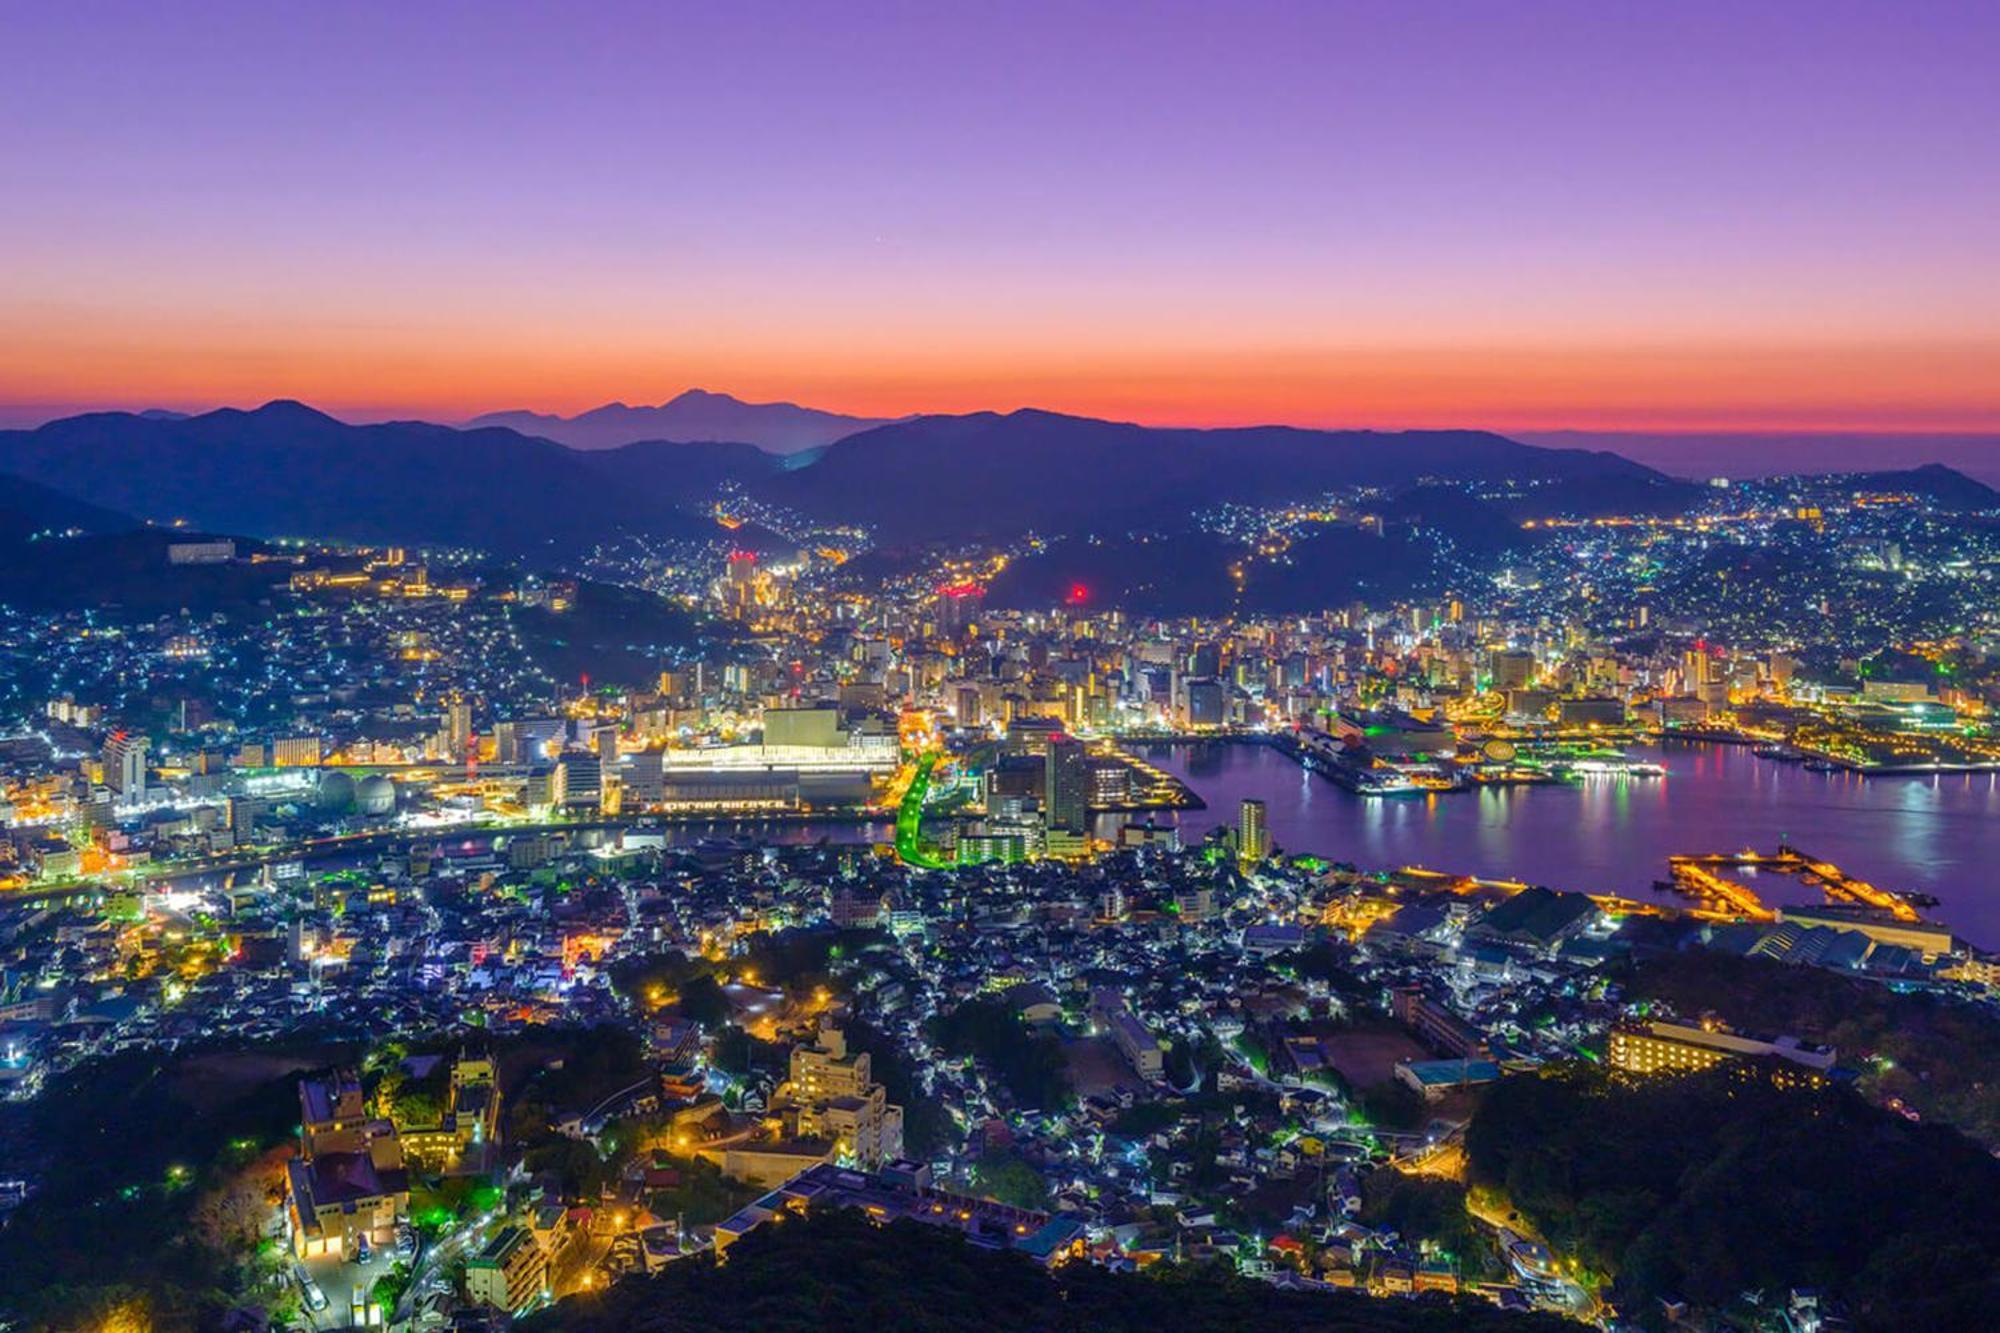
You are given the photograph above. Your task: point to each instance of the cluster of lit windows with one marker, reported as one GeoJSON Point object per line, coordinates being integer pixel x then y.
{"type": "Point", "coordinates": [1651, 1055]}
{"type": "Point", "coordinates": [1639, 1053]}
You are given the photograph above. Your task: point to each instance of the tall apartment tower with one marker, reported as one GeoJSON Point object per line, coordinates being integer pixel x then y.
{"type": "Point", "coordinates": [125, 764]}
{"type": "Point", "coordinates": [1253, 841]}
{"type": "Point", "coordinates": [458, 728]}
{"type": "Point", "coordinates": [1066, 787]}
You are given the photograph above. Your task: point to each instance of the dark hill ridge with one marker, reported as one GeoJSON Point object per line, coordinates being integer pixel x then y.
{"type": "Point", "coordinates": [662, 468]}
{"type": "Point", "coordinates": [1430, 533]}
{"type": "Point", "coordinates": [836, 1272]}
{"type": "Point", "coordinates": [1183, 573]}
{"type": "Point", "coordinates": [127, 572]}
{"type": "Point", "coordinates": [1944, 486]}
{"type": "Point", "coordinates": [1748, 454]}
{"type": "Point", "coordinates": [285, 469]}
{"type": "Point", "coordinates": [29, 511]}
{"type": "Point", "coordinates": [695, 415]}
{"type": "Point", "coordinates": [988, 473]}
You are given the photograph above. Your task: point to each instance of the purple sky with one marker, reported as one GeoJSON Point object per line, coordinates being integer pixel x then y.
{"type": "Point", "coordinates": [1597, 215]}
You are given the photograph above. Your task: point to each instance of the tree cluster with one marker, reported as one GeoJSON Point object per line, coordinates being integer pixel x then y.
{"type": "Point", "coordinates": [1030, 1064]}
{"type": "Point", "coordinates": [1711, 1185]}
{"type": "Point", "coordinates": [835, 1272]}
{"type": "Point", "coordinates": [1938, 1054]}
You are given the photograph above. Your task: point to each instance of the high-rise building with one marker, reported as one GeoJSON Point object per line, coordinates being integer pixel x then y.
{"type": "Point", "coordinates": [1513, 669]}
{"type": "Point", "coordinates": [125, 764]}
{"type": "Point", "coordinates": [348, 1185]}
{"type": "Point", "coordinates": [201, 553]}
{"type": "Point", "coordinates": [583, 779]}
{"type": "Point", "coordinates": [1704, 676]}
{"type": "Point", "coordinates": [458, 728]}
{"type": "Point", "coordinates": [1207, 703]}
{"type": "Point", "coordinates": [1253, 842]}
{"type": "Point", "coordinates": [959, 605]}
{"type": "Point", "coordinates": [835, 1097]}
{"type": "Point", "coordinates": [970, 713]}
{"type": "Point", "coordinates": [1066, 787]}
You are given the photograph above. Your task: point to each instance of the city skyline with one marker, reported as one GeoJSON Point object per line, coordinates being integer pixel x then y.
{"type": "Point", "coordinates": [1549, 219]}
{"type": "Point", "coordinates": [1303, 664]}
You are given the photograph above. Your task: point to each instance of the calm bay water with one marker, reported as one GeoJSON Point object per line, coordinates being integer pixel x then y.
{"type": "Point", "coordinates": [1939, 835]}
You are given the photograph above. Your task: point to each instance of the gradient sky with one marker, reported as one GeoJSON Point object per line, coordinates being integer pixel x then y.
{"type": "Point", "coordinates": [1512, 214]}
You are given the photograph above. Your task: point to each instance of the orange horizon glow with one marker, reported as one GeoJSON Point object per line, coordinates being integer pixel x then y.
{"type": "Point", "coordinates": [451, 376]}
{"type": "Point", "coordinates": [1698, 217]}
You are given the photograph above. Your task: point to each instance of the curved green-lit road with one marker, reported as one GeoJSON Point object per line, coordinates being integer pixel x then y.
{"type": "Point", "coordinates": [910, 820]}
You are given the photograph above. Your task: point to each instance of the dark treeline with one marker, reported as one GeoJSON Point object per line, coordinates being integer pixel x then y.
{"type": "Point", "coordinates": [836, 1271]}
{"type": "Point", "coordinates": [1709, 1186]}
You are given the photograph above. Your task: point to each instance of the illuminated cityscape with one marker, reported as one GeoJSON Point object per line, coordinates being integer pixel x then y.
{"type": "Point", "coordinates": [909, 859]}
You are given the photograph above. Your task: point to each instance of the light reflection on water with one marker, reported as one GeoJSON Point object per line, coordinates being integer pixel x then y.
{"type": "Point", "coordinates": [1938, 834]}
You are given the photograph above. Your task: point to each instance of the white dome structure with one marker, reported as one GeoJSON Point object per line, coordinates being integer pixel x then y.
{"type": "Point", "coordinates": [376, 795]}
{"type": "Point", "coordinates": [334, 792]}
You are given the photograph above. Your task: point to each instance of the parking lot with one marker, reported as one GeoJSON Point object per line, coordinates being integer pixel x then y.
{"type": "Point", "coordinates": [341, 1282]}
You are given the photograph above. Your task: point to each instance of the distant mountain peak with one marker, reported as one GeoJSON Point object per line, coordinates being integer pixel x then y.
{"type": "Point", "coordinates": [281, 410]}
{"type": "Point", "coordinates": [694, 414]}
{"type": "Point", "coordinates": [697, 394]}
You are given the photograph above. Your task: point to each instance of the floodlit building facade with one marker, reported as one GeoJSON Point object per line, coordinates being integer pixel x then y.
{"type": "Point", "coordinates": [835, 1097]}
